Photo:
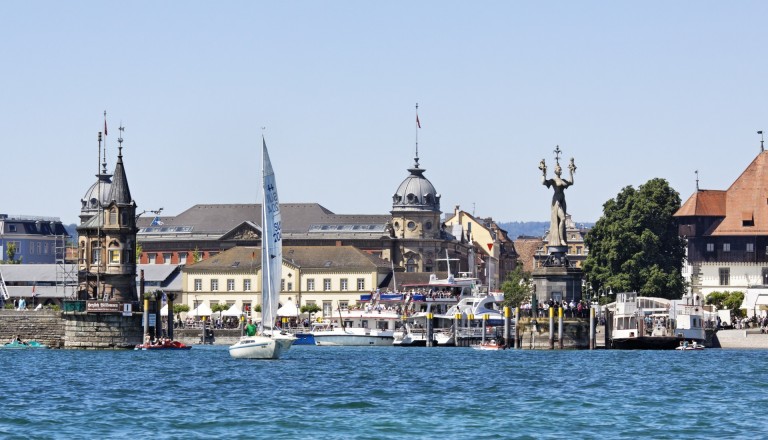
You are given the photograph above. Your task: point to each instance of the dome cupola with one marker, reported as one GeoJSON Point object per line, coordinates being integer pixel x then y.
{"type": "Point", "coordinates": [416, 192]}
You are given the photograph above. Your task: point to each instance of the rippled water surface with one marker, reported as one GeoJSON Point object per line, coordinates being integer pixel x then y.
{"type": "Point", "coordinates": [384, 392]}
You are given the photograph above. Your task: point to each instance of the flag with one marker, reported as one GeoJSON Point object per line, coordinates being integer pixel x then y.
{"type": "Point", "coordinates": [156, 222]}
{"type": "Point", "coordinates": [165, 299]}
{"type": "Point", "coordinates": [417, 122]}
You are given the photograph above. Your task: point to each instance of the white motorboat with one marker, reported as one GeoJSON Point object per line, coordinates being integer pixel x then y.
{"type": "Point", "coordinates": [270, 343]}
{"type": "Point", "coordinates": [359, 328]}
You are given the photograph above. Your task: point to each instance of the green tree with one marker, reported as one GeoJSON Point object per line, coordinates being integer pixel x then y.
{"type": "Point", "coordinates": [727, 300]}
{"type": "Point", "coordinates": [196, 256]}
{"type": "Point", "coordinates": [310, 308]}
{"type": "Point", "coordinates": [517, 287]}
{"type": "Point", "coordinates": [220, 307]}
{"type": "Point", "coordinates": [11, 252]}
{"type": "Point", "coordinates": [139, 250]}
{"type": "Point", "coordinates": [178, 308]}
{"type": "Point", "coordinates": [635, 245]}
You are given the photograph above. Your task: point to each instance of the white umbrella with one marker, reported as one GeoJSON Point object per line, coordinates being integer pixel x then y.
{"type": "Point", "coordinates": [289, 309]}
{"type": "Point", "coordinates": [233, 311]}
{"type": "Point", "coordinates": [201, 310]}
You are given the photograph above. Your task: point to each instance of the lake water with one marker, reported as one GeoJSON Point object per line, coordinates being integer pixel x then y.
{"type": "Point", "coordinates": [384, 392]}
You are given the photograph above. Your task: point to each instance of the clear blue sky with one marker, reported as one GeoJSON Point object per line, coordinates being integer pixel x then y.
{"type": "Point", "coordinates": [631, 90]}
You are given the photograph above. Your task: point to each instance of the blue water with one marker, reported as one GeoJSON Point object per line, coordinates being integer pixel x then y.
{"type": "Point", "coordinates": [384, 392]}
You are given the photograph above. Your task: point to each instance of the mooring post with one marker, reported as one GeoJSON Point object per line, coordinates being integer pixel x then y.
{"type": "Point", "coordinates": [592, 328]}
{"type": "Point", "coordinates": [456, 323]}
{"type": "Point", "coordinates": [482, 338]}
{"type": "Point", "coordinates": [506, 326]}
{"type": "Point", "coordinates": [560, 330]}
{"type": "Point", "coordinates": [551, 328]}
{"type": "Point", "coordinates": [517, 342]}
{"type": "Point", "coordinates": [146, 306]}
{"type": "Point", "coordinates": [430, 330]}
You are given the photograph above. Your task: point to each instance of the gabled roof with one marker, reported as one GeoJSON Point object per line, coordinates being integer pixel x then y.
{"type": "Point", "coordinates": [705, 203]}
{"type": "Point", "coordinates": [248, 259]}
{"type": "Point", "coordinates": [743, 206]}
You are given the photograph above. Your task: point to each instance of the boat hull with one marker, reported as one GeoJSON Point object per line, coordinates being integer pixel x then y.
{"type": "Point", "coordinates": [256, 347]}
{"type": "Point", "coordinates": [24, 346]}
{"type": "Point", "coordinates": [304, 339]}
{"type": "Point", "coordinates": [352, 338]}
{"type": "Point", "coordinates": [646, 343]}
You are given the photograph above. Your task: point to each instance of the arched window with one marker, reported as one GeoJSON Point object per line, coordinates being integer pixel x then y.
{"type": "Point", "coordinates": [410, 265]}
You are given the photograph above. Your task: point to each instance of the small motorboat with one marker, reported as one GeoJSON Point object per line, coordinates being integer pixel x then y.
{"type": "Point", "coordinates": [490, 345]}
{"type": "Point", "coordinates": [686, 346]}
{"type": "Point", "coordinates": [20, 345]}
{"type": "Point", "coordinates": [163, 345]}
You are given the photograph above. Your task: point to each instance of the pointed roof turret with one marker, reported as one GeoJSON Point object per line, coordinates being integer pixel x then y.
{"type": "Point", "coordinates": [119, 192]}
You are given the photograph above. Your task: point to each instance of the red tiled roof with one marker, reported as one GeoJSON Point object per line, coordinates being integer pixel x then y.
{"type": "Point", "coordinates": [708, 203]}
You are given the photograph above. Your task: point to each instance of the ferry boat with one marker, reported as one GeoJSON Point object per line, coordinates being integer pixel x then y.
{"type": "Point", "coordinates": [648, 323]}
{"type": "Point", "coordinates": [435, 297]}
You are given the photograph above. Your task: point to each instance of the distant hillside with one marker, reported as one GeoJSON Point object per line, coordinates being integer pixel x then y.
{"type": "Point", "coordinates": [531, 229]}
{"type": "Point", "coordinates": [516, 229]}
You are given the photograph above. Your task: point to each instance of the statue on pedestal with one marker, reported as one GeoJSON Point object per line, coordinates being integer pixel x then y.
{"type": "Point", "coordinates": [557, 236]}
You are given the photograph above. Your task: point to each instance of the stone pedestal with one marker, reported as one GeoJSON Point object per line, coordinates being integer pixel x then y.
{"type": "Point", "coordinates": [102, 331]}
{"type": "Point", "coordinates": [558, 283]}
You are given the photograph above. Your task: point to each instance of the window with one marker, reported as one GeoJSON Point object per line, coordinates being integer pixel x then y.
{"type": "Point", "coordinates": [152, 258]}
{"type": "Point", "coordinates": [344, 284]}
{"type": "Point", "coordinates": [726, 247]}
{"type": "Point", "coordinates": [124, 218]}
{"type": "Point", "coordinates": [166, 258]}
{"type": "Point", "coordinates": [725, 276]}
{"type": "Point", "coordinates": [11, 228]}
{"type": "Point", "coordinates": [31, 247]}
{"type": "Point", "coordinates": [344, 305]}
{"type": "Point", "coordinates": [765, 276]}
{"type": "Point", "coordinates": [282, 284]}
{"type": "Point", "coordinates": [113, 217]}
{"type": "Point", "coordinates": [230, 285]}
{"type": "Point", "coordinates": [39, 248]}
{"type": "Point", "coordinates": [310, 284]}
{"type": "Point", "coordinates": [750, 247]}
{"type": "Point", "coordinates": [114, 256]}
{"type": "Point", "coordinates": [410, 265]}
{"type": "Point", "coordinates": [361, 284]}
{"type": "Point", "coordinates": [95, 253]}
{"type": "Point", "coordinates": [247, 284]}
{"type": "Point", "coordinates": [711, 247]}
{"type": "Point", "coordinates": [45, 248]}
{"type": "Point", "coordinates": [182, 258]}
{"type": "Point", "coordinates": [327, 309]}
{"type": "Point", "coordinates": [290, 287]}
{"type": "Point", "coordinates": [198, 284]}
{"type": "Point", "coordinates": [326, 284]}
{"type": "Point", "coordinates": [214, 285]}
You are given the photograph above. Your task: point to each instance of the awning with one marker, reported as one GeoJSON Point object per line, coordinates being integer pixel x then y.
{"type": "Point", "coordinates": [233, 311]}
{"type": "Point", "coordinates": [201, 310]}
{"type": "Point", "coordinates": [289, 309]}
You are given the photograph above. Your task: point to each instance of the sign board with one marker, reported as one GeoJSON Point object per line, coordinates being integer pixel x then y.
{"type": "Point", "coordinates": [103, 307]}
{"type": "Point", "coordinates": [152, 319]}
{"type": "Point", "coordinates": [127, 309]}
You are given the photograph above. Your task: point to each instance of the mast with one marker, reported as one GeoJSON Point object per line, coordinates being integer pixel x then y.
{"type": "Point", "coordinates": [98, 225]}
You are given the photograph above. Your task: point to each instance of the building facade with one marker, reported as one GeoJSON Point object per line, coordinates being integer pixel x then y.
{"type": "Point", "coordinates": [33, 240]}
{"type": "Point", "coordinates": [331, 277]}
{"type": "Point", "coordinates": [727, 233]}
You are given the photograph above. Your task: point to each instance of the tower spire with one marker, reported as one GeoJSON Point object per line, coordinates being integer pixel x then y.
{"type": "Point", "coordinates": [760, 132]}
{"type": "Point", "coordinates": [418, 126]}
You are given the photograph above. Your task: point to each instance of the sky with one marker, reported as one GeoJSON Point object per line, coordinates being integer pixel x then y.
{"type": "Point", "coordinates": [631, 90]}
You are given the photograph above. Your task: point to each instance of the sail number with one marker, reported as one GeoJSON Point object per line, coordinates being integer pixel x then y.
{"type": "Point", "coordinates": [277, 234]}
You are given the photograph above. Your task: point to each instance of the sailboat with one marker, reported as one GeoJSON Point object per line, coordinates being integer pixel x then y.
{"type": "Point", "coordinates": [270, 343]}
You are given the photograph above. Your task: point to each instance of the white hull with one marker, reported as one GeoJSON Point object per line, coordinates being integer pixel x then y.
{"type": "Point", "coordinates": [354, 337]}
{"type": "Point", "coordinates": [259, 347]}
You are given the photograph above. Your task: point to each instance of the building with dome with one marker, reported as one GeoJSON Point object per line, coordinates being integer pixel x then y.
{"type": "Point", "coordinates": [107, 238]}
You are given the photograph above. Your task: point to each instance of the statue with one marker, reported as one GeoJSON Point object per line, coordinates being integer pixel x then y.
{"type": "Point", "coordinates": [557, 236]}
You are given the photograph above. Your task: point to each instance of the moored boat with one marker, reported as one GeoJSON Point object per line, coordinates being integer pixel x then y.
{"type": "Point", "coordinates": [163, 345]}
{"type": "Point", "coordinates": [19, 345]}
{"type": "Point", "coordinates": [491, 344]}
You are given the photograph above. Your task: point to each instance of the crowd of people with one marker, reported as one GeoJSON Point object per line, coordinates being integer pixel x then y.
{"type": "Point", "coordinates": [572, 309]}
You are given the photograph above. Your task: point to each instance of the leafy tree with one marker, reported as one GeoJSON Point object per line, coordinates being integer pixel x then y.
{"type": "Point", "coordinates": [220, 307]}
{"type": "Point", "coordinates": [517, 287]}
{"type": "Point", "coordinates": [727, 300]}
{"type": "Point", "coordinates": [310, 308]}
{"type": "Point", "coordinates": [178, 308]}
{"type": "Point", "coordinates": [11, 252]}
{"type": "Point", "coordinates": [139, 250]}
{"type": "Point", "coordinates": [635, 245]}
{"type": "Point", "coordinates": [196, 256]}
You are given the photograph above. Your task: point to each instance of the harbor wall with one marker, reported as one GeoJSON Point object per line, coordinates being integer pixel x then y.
{"type": "Point", "coordinates": [45, 326]}
{"type": "Point", "coordinates": [102, 331]}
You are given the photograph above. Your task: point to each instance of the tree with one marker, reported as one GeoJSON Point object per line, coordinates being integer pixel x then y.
{"type": "Point", "coordinates": [196, 257]}
{"type": "Point", "coordinates": [635, 245]}
{"type": "Point", "coordinates": [310, 308]}
{"type": "Point", "coordinates": [517, 287]}
{"type": "Point", "coordinates": [11, 250]}
{"type": "Point", "coordinates": [727, 300]}
{"type": "Point", "coordinates": [220, 307]}
{"type": "Point", "coordinates": [178, 308]}
{"type": "Point", "coordinates": [139, 250]}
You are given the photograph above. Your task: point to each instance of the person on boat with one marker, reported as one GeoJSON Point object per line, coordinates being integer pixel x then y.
{"type": "Point", "coordinates": [250, 329]}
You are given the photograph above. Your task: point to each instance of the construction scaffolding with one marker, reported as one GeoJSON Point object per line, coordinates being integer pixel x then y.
{"type": "Point", "coordinates": [66, 274]}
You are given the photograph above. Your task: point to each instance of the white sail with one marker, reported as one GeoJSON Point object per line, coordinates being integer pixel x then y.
{"type": "Point", "coordinates": [271, 246]}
